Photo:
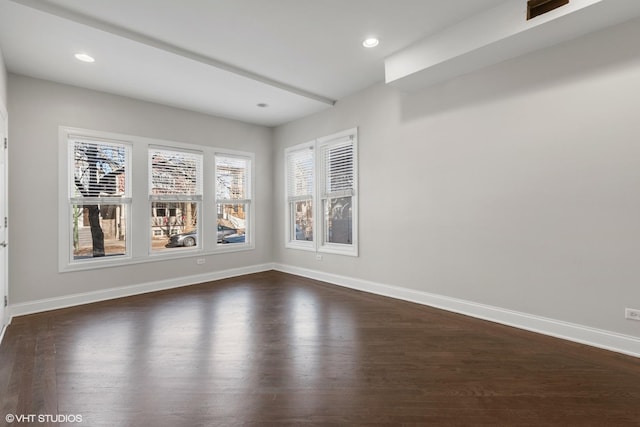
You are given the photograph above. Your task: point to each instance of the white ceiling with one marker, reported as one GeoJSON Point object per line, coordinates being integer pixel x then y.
{"type": "Point", "coordinates": [220, 57]}
{"type": "Point", "coordinates": [223, 57]}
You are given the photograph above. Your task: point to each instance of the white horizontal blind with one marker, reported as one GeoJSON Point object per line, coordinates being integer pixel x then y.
{"type": "Point", "coordinates": [300, 166]}
{"type": "Point", "coordinates": [337, 169]}
{"type": "Point", "coordinates": [99, 201]}
{"type": "Point", "coordinates": [100, 170]}
{"type": "Point", "coordinates": [232, 179]}
{"type": "Point", "coordinates": [175, 175]}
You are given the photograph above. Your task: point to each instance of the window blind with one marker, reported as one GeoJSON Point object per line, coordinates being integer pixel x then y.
{"type": "Point", "coordinates": [99, 169]}
{"type": "Point", "coordinates": [337, 164]}
{"type": "Point", "coordinates": [232, 179]}
{"type": "Point", "coordinates": [175, 175]}
{"type": "Point", "coordinates": [300, 165]}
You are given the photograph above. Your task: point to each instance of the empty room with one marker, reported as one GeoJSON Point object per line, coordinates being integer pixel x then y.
{"type": "Point", "coordinates": [426, 212]}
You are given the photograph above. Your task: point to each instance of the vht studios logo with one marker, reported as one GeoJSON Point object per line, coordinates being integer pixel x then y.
{"type": "Point", "coordinates": [42, 418]}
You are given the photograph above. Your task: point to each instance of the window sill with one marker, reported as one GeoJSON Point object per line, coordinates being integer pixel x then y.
{"type": "Point", "coordinates": [301, 245]}
{"type": "Point", "coordinates": [121, 261]}
{"type": "Point", "coordinates": [339, 250]}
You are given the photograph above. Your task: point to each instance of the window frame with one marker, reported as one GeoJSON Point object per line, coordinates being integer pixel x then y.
{"type": "Point", "coordinates": [249, 242]}
{"type": "Point", "coordinates": [139, 233]}
{"type": "Point", "coordinates": [324, 143]}
{"type": "Point", "coordinates": [177, 199]}
{"type": "Point", "coordinates": [290, 232]}
{"type": "Point", "coordinates": [319, 244]}
{"type": "Point", "coordinates": [68, 200]}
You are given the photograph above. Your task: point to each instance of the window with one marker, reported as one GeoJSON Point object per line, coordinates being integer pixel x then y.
{"type": "Point", "coordinates": [126, 199]}
{"type": "Point", "coordinates": [300, 165]}
{"type": "Point", "coordinates": [233, 199]}
{"type": "Point", "coordinates": [175, 195]}
{"type": "Point", "coordinates": [321, 182]}
{"type": "Point", "coordinates": [99, 198]}
{"type": "Point", "coordinates": [337, 191]}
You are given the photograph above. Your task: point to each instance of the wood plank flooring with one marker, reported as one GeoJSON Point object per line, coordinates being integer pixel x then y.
{"type": "Point", "coordinates": [275, 349]}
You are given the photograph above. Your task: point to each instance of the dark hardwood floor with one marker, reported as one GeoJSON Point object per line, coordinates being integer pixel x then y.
{"type": "Point", "coordinates": [275, 349]}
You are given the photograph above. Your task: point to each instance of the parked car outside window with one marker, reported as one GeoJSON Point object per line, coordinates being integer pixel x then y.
{"type": "Point", "coordinates": [234, 238]}
{"type": "Point", "coordinates": [190, 238]}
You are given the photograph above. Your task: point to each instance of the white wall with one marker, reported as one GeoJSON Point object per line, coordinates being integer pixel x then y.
{"type": "Point", "coordinates": [517, 186]}
{"type": "Point", "coordinates": [37, 109]}
{"type": "Point", "coordinates": [3, 84]}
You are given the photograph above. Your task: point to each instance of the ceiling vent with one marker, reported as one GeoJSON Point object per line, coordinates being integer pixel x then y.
{"type": "Point", "coordinates": [540, 7]}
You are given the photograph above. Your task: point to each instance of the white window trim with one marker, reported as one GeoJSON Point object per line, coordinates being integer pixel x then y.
{"type": "Point", "coordinates": [249, 242]}
{"type": "Point", "coordinates": [65, 176]}
{"type": "Point", "coordinates": [318, 244]}
{"type": "Point", "coordinates": [138, 242]}
{"type": "Point", "coordinates": [337, 248]}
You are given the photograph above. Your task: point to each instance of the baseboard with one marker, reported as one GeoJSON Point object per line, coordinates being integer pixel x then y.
{"type": "Point", "coordinates": [569, 331]}
{"type": "Point", "coordinates": [125, 291]}
{"type": "Point", "coordinates": [2, 331]}
{"type": "Point", "coordinates": [4, 324]}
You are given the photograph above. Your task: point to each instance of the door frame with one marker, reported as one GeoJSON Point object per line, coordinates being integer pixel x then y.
{"type": "Point", "coordinates": [5, 319]}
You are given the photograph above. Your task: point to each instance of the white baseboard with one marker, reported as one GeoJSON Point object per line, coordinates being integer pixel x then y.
{"type": "Point", "coordinates": [2, 331]}
{"type": "Point", "coordinates": [125, 291]}
{"type": "Point", "coordinates": [569, 331]}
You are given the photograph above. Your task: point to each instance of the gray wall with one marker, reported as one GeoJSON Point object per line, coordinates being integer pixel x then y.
{"type": "Point", "coordinates": [37, 108]}
{"type": "Point", "coordinates": [516, 186]}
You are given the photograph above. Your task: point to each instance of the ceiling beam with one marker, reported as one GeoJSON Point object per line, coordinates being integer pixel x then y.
{"type": "Point", "coordinates": [119, 31]}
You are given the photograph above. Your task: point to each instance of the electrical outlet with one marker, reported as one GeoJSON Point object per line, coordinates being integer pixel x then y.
{"type": "Point", "coordinates": [200, 261]}
{"type": "Point", "coordinates": [633, 314]}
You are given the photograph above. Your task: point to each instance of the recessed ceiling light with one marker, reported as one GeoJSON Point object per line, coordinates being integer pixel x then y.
{"type": "Point", "coordinates": [84, 57]}
{"type": "Point", "coordinates": [371, 42]}
{"type": "Point", "coordinates": [262, 105]}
